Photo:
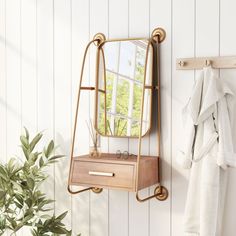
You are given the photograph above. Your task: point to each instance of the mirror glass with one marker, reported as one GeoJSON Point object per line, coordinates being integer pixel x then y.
{"type": "Point", "coordinates": [124, 70]}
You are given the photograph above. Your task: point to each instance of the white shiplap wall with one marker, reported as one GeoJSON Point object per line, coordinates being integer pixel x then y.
{"type": "Point", "coordinates": [41, 49]}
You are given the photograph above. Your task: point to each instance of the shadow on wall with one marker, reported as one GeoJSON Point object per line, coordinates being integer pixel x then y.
{"type": "Point", "coordinates": [14, 112]}
{"type": "Point", "coordinates": [10, 109]}
{"type": "Point", "coordinates": [98, 202]}
{"type": "Point", "coordinates": [62, 171]}
{"type": "Point", "coordinates": [29, 60]}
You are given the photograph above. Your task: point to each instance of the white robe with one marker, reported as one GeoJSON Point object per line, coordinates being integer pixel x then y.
{"type": "Point", "coordinates": [207, 148]}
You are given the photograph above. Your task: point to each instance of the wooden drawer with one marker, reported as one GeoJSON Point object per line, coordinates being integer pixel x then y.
{"type": "Point", "coordinates": [98, 174]}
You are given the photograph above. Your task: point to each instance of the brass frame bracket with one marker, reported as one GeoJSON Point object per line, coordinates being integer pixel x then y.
{"type": "Point", "coordinates": [79, 191]}
{"type": "Point", "coordinates": [151, 87]}
{"type": "Point", "coordinates": [97, 190]}
{"type": "Point", "coordinates": [99, 38]}
{"type": "Point", "coordinates": [158, 34]}
{"type": "Point", "coordinates": [94, 189]}
{"type": "Point", "coordinates": [160, 193]}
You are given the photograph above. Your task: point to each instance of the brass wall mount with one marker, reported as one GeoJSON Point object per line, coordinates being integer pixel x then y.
{"type": "Point", "coordinates": [99, 39]}
{"type": "Point", "coordinates": [159, 34]}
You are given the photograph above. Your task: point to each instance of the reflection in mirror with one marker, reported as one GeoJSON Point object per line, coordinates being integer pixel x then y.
{"type": "Point", "coordinates": [121, 79]}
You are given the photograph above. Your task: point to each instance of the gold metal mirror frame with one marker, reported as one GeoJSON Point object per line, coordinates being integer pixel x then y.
{"type": "Point", "coordinates": [101, 41]}
{"type": "Point", "coordinates": [158, 36]}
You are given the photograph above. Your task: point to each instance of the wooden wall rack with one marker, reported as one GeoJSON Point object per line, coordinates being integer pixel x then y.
{"type": "Point", "coordinates": [227, 62]}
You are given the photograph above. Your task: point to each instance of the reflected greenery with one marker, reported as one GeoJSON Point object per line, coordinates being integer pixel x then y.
{"type": "Point", "coordinates": [124, 89]}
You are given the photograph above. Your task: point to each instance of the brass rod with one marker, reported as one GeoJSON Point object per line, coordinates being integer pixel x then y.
{"type": "Point", "coordinates": [105, 90]}
{"type": "Point", "coordinates": [161, 195]}
{"type": "Point", "coordinates": [125, 39]}
{"type": "Point", "coordinates": [79, 191]}
{"type": "Point", "coordinates": [151, 87]}
{"type": "Point", "coordinates": [147, 198]}
{"type": "Point", "coordinates": [102, 91]}
{"type": "Point", "coordinates": [92, 88]}
{"type": "Point", "coordinates": [141, 120]}
{"type": "Point", "coordinates": [158, 99]}
{"type": "Point", "coordinates": [87, 88]}
{"type": "Point", "coordinates": [96, 92]}
{"type": "Point", "coordinates": [76, 116]}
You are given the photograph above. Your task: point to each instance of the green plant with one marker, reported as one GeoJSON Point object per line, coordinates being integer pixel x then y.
{"type": "Point", "coordinates": [22, 203]}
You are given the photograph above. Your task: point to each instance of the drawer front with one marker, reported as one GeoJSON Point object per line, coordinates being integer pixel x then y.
{"type": "Point", "coordinates": [103, 174]}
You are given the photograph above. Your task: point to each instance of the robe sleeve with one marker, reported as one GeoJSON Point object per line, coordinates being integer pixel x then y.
{"type": "Point", "coordinates": [226, 155]}
{"type": "Point", "coordinates": [184, 156]}
{"type": "Point", "coordinates": [190, 116]}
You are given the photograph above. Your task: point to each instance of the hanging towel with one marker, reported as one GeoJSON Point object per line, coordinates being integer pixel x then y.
{"type": "Point", "coordinates": [207, 149]}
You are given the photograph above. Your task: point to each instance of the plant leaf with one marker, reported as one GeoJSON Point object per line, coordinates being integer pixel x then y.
{"type": "Point", "coordinates": [41, 162]}
{"type": "Point", "coordinates": [24, 141]}
{"type": "Point", "coordinates": [2, 194]}
{"type": "Point", "coordinates": [30, 183]}
{"type": "Point", "coordinates": [62, 216]}
{"type": "Point", "coordinates": [49, 149]}
{"type": "Point", "coordinates": [56, 157]}
{"type": "Point", "coordinates": [21, 200]}
{"type": "Point", "coordinates": [35, 140]}
{"type": "Point", "coordinates": [59, 230]}
{"type": "Point", "coordinates": [26, 153]}
{"type": "Point", "coordinates": [26, 133]}
{"type": "Point", "coordinates": [3, 173]}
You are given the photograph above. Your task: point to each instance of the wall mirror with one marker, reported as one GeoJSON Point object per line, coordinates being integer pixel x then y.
{"type": "Point", "coordinates": [127, 76]}
{"type": "Point", "coordinates": [124, 71]}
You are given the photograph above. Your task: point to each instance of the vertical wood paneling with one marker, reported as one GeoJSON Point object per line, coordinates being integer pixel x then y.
{"type": "Point", "coordinates": [13, 72]}
{"type": "Point", "coordinates": [44, 73]}
{"type": "Point", "coordinates": [160, 16]}
{"type": "Point", "coordinates": [183, 42]}
{"type": "Point", "coordinates": [118, 200]}
{"type": "Point", "coordinates": [41, 48]}
{"type": "Point", "coordinates": [228, 47]}
{"type": "Point", "coordinates": [62, 101]}
{"type": "Point", "coordinates": [28, 68]}
{"type": "Point", "coordinates": [80, 38]}
{"type": "Point", "coordinates": [207, 31]}
{"type": "Point", "coordinates": [3, 82]}
{"type": "Point", "coordinates": [138, 213]}
{"type": "Point", "coordinates": [99, 211]}
{"type": "Point", "coordinates": [28, 65]}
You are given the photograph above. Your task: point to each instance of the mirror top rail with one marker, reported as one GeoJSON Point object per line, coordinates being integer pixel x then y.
{"type": "Point", "coordinates": [158, 34]}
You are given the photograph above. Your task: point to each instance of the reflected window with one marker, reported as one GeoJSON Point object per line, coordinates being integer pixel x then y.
{"type": "Point", "coordinates": [125, 65]}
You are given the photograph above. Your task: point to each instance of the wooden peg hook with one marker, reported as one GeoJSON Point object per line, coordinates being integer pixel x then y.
{"type": "Point", "coordinates": [208, 62]}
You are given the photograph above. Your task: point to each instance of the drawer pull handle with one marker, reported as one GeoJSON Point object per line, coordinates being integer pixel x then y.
{"type": "Point", "coordinates": [101, 173]}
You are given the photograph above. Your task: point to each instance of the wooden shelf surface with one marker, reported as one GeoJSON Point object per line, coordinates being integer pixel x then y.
{"type": "Point", "coordinates": [111, 157]}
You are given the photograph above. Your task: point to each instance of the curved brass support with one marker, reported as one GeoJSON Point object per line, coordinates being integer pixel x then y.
{"type": "Point", "coordinates": [160, 193]}
{"type": "Point", "coordinates": [79, 191]}
{"type": "Point", "coordinates": [75, 121]}
{"type": "Point", "coordinates": [94, 189]}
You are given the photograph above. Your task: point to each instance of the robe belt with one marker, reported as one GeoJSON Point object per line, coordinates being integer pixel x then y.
{"type": "Point", "coordinates": [206, 148]}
